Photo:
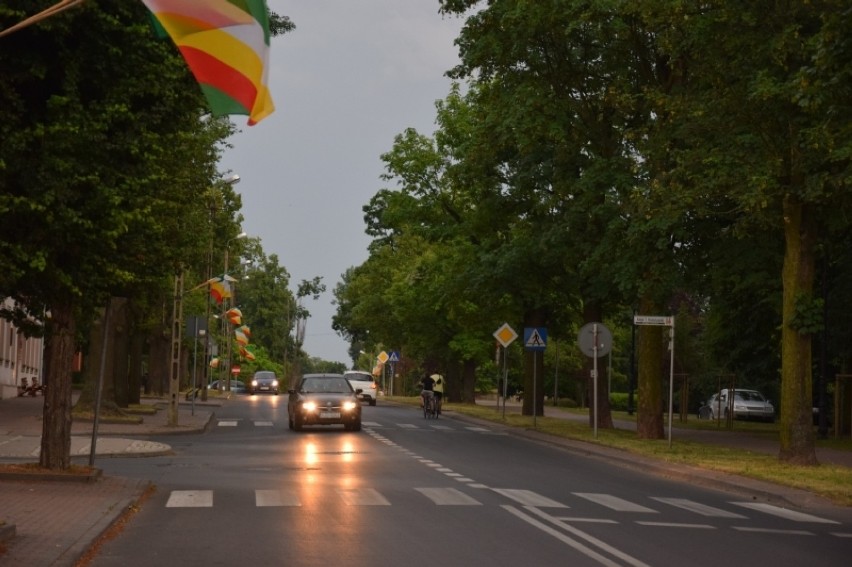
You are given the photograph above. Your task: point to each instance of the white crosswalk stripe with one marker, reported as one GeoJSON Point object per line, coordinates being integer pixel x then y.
{"type": "Point", "coordinates": [701, 509]}
{"type": "Point", "coordinates": [529, 498]}
{"type": "Point", "coordinates": [784, 513]}
{"type": "Point", "coordinates": [263, 424]}
{"type": "Point", "coordinates": [448, 497]}
{"type": "Point", "coordinates": [227, 423]}
{"type": "Point", "coordinates": [190, 499]}
{"type": "Point", "coordinates": [362, 497]}
{"type": "Point", "coordinates": [614, 503]}
{"type": "Point", "coordinates": [272, 498]}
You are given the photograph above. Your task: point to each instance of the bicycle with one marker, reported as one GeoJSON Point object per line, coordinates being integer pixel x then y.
{"type": "Point", "coordinates": [430, 405]}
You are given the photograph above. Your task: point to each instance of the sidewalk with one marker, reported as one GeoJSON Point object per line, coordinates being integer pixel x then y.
{"type": "Point", "coordinates": [53, 522]}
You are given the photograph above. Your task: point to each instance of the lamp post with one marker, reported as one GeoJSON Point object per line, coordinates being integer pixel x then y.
{"type": "Point", "coordinates": [230, 180]}
{"type": "Point", "coordinates": [225, 332]}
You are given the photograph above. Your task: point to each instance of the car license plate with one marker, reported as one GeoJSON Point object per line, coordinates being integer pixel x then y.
{"type": "Point", "coordinates": [329, 415]}
{"type": "Point", "coordinates": [264, 387]}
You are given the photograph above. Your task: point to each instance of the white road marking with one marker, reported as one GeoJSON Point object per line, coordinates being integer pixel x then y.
{"type": "Point", "coordinates": [698, 508]}
{"type": "Point", "coordinates": [784, 513]}
{"type": "Point", "coordinates": [614, 503]}
{"type": "Point", "coordinates": [586, 520]}
{"type": "Point", "coordinates": [476, 429]}
{"type": "Point", "coordinates": [441, 427]}
{"type": "Point", "coordinates": [529, 498]}
{"type": "Point", "coordinates": [263, 424]}
{"type": "Point", "coordinates": [267, 498]}
{"type": "Point", "coordinates": [448, 497]}
{"type": "Point", "coordinates": [677, 525]}
{"type": "Point", "coordinates": [406, 425]}
{"type": "Point", "coordinates": [362, 497]}
{"type": "Point", "coordinates": [584, 549]}
{"type": "Point", "coordinates": [771, 531]}
{"type": "Point", "coordinates": [227, 423]}
{"type": "Point", "coordinates": [190, 499]}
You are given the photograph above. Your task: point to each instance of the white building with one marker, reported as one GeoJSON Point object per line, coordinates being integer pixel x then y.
{"type": "Point", "coordinates": [20, 357]}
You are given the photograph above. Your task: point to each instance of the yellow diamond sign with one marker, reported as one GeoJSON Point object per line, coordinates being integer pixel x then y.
{"type": "Point", "coordinates": [505, 335]}
{"type": "Point", "coordinates": [383, 357]}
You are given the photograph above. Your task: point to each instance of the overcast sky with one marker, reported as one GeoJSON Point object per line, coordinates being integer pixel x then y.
{"type": "Point", "coordinates": [354, 74]}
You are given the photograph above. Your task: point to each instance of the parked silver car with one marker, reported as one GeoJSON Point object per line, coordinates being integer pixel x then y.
{"type": "Point", "coordinates": [745, 404]}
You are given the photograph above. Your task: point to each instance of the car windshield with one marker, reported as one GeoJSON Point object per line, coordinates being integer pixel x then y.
{"type": "Point", "coordinates": [325, 386]}
{"type": "Point", "coordinates": [749, 396]}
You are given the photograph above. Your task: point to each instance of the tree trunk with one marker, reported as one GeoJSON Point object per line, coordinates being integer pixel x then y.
{"type": "Point", "coordinates": [649, 424]}
{"type": "Point", "coordinates": [158, 363]}
{"type": "Point", "coordinates": [120, 345]}
{"type": "Point", "coordinates": [59, 354]}
{"type": "Point", "coordinates": [468, 390]}
{"type": "Point", "coordinates": [134, 378]}
{"type": "Point", "coordinates": [797, 434]}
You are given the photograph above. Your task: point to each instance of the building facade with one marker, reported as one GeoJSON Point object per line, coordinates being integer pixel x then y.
{"type": "Point", "coordinates": [20, 358]}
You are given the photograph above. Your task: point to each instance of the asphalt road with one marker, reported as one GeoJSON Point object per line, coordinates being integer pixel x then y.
{"type": "Point", "coordinates": [409, 491]}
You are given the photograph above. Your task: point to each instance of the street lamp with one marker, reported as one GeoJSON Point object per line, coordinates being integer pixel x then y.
{"type": "Point", "coordinates": [230, 180]}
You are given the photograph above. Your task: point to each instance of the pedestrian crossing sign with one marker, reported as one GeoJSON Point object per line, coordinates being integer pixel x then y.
{"type": "Point", "coordinates": [535, 338]}
{"type": "Point", "coordinates": [394, 356]}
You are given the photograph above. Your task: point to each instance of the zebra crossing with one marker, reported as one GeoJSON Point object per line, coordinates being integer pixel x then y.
{"type": "Point", "coordinates": [558, 511]}
{"type": "Point", "coordinates": [443, 427]}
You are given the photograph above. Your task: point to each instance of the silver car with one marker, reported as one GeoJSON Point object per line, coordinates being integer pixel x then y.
{"type": "Point", "coordinates": [745, 404]}
{"type": "Point", "coordinates": [360, 379]}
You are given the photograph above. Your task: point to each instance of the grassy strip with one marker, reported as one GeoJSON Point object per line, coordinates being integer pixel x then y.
{"type": "Point", "coordinates": [830, 481]}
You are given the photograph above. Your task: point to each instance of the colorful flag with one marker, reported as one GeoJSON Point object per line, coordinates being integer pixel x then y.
{"type": "Point", "coordinates": [246, 353]}
{"type": "Point", "coordinates": [235, 316]}
{"type": "Point", "coordinates": [241, 337]}
{"type": "Point", "coordinates": [226, 45]}
{"type": "Point", "coordinates": [220, 289]}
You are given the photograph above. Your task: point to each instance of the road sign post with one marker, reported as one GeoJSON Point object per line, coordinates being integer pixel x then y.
{"type": "Point", "coordinates": [535, 339]}
{"type": "Point", "coordinates": [505, 335]}
{"type": "Point", "coordinates": [595, 340]}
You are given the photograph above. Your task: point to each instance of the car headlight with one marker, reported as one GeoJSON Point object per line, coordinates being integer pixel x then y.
{"type": "Point", "coordinates": [309, 406]}
{"type": "Point", "coordinates": [254, 382]}
{"type": "Point", "coordinates": [349, 406]}
{"type": "Point", "coordinates": [275, 383]}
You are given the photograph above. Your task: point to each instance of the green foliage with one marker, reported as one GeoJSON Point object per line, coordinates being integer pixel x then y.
{"type": "Point", "coordinates": [808, 318]}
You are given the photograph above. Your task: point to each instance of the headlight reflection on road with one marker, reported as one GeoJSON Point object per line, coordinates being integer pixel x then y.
{"type": "Point", "coordinates": [311, 457]}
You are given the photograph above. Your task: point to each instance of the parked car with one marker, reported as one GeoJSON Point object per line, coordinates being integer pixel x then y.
{"type": "Point", "coordinates": [264, 381]}
{"type": "Point", "coordinates": [237, 386]}
{"type": "Point", "coordinates": [324, 399]}
{"type": "Point", "coordinates": [363, 380]}
{"type": "Point", "coordinates": [746, 404]}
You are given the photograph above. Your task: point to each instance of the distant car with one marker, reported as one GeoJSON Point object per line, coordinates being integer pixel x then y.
{"type": "Point", "coordinates": [324, 399]}
{"type": "Point", "coordinates": [364, 381]}
{"type": "Point", "coordinates": [746, 404]}
{"type": "Point", "coordinates": [237, 386]}
{"type": "Point", "coordinates": [264, 381]}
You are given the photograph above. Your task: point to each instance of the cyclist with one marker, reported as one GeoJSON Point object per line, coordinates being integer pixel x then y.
{"type": "Point", "coordinates": [438, 389]}
{"type": "Point", "coordinates": [427, 385]}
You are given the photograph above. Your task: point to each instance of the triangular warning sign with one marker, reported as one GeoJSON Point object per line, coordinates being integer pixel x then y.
{"type": "Point", "coordinates": [535, 340]}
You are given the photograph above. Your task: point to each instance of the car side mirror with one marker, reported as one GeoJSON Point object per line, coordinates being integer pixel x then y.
{"type": "Point", "coordinates": [358, 390]}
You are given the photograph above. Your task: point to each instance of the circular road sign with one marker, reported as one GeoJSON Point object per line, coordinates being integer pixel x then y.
{"type": "Point", "coordinates": [586, 340]}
